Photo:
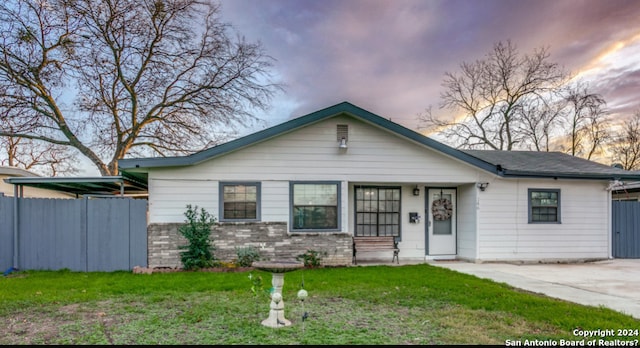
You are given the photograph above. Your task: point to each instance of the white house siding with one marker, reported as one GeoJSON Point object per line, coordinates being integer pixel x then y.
{"type": "Point", "coordinates": [505, 234]}
{"type": "Point", "coordinates": [310, 153]}
{"type": "Point", "coordinates": [412, 243]}
{"type": "Point", "coordinates": [175, 194]}
{"type": "Point", "coordinates": [467, 221]}
{"type": "Point", "coordinates": [275, 201]}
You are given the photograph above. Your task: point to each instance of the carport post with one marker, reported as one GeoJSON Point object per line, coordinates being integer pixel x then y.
{"type": "Point", "coordinates": [610, 223]}
{"type": "Point", "coordinates": [15, 226]}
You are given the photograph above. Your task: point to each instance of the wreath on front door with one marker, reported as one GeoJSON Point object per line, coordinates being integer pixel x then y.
{"type": "Point", "coordinates": [442, 209]}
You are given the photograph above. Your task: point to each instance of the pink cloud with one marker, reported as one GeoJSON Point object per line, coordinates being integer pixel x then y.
{"type": "Point", "coordinates": [390, 56]}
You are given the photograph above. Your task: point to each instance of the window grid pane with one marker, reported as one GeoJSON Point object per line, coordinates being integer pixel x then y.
{"type": "Point", "coordinates": [544, 214]}
{"type": "Point", "coordinates": [544, 206]}
{"type": "Point", "coordinates": [315, 194]}
{"type": "Point", "coordinates": [240, 202]}
{"type": "Point", "coordinates": [377, 211]}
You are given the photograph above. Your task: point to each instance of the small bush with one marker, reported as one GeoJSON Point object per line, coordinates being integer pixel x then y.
{"type": "Point", "coordinates": [246, 256]}
{"type": "Point", "coordinates": [199, 251]}
{"type": "Point", "coordinates": [310, 258]}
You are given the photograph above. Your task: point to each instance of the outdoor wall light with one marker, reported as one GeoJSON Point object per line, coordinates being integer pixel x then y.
{"type": "Point", "coordinates": [343, 143]}
{"type": "Point", "coordinates": [482, 185]}
{"type": "Point", "coordinates": [416, 191]}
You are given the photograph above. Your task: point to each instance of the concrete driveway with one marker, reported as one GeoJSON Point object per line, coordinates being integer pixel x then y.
{"type": "Point", "coordinates": [613, 284]}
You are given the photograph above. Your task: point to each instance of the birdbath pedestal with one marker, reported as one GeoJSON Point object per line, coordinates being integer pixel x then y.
{"type": "Point", "coordinates": [277, 268]}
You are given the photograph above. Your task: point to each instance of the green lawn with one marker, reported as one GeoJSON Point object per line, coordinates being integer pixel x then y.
{"type": "Point", "coordinates": [415, 304]}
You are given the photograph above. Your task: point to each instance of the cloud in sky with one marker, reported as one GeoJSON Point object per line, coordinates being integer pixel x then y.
{"type": "Point", "coordinates": [390, 56]}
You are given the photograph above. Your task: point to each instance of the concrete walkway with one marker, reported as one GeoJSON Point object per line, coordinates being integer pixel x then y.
{"type": "Point", "coordinates": [613, 284]}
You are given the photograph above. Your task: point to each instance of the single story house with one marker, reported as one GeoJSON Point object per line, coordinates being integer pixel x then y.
{"type": "Point", "coordinates": [8, 190]}
{"type": "Point", "coordinates": [315, 181]}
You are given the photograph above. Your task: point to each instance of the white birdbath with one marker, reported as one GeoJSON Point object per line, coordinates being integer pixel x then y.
{"type": "Point", "coordinates": [277, 269]}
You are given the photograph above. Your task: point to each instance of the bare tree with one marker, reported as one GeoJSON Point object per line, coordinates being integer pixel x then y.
{"type": "Point", "coordinates": [625, 146]}
{"type": "Point", "coordinates": [587, 121]}
{"type": "Point", "coordinates": [541, 119]}
{"type": "Point", "coordinates": [492, 94]}
{"type": "Point", "coordinates": [44, 158]}
{"type": "Point", "coordinates": [145, 76]}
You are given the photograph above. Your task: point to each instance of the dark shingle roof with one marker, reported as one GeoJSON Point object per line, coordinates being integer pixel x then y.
{"type": "Point", "coordinates": [537, 163]}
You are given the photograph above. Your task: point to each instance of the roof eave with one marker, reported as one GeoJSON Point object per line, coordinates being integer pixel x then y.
{"type": "Point", "coordinates": [586, 176]}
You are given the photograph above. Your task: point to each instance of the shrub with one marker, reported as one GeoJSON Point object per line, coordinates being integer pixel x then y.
{"type": "Point", "coordinates": [199, 252]}
{"type": "Point", "coordinates": [310, 258]}
{"type": "Point", "coordinates": [246, 256]}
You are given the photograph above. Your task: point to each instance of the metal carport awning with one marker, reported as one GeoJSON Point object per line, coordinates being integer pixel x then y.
{"type": "Point", "coordinates": [82, 186]}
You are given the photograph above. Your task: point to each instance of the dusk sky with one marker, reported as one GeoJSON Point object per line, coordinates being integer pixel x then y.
{"type": "Point", "coordinates": [390, 56]}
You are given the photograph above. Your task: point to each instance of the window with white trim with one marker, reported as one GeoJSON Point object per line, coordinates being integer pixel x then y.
{"type": "Point", "coordinates": [544, 205]}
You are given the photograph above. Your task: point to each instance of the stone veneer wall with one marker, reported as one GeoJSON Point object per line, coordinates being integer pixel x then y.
{"type": "Point", "coordinates": [270, 238]}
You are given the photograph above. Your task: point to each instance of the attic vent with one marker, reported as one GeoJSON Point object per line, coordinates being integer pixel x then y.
{"type": "Point", "coordinates": [343, 132]}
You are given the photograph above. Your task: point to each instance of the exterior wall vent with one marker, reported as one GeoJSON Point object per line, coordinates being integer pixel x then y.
{"type": "Point", "coordinates": [343, 132]}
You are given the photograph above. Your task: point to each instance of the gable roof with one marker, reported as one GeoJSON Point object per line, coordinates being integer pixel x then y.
{"type": "Point", "coordinates": [515, 162]}
{"type": "Point", "coordinates": [344, 108]}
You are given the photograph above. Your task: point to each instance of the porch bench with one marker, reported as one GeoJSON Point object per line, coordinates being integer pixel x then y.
{"type": "Point", "coordinates": [382, 243]}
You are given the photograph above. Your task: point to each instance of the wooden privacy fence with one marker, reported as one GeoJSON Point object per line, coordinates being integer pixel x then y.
{"type": "Point", "coordinates": [626, 229]}
{"type": "Point", "coordinates": [105, 234]}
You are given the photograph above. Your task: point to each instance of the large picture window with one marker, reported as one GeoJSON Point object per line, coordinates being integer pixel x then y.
{"type": "Point", "coordinates": [544, 206]}
{"type": "Point", "coordinates": [378, 211]}
{"type": "Point", "coordinates": [239, 201]}
{"type": "Point", "coordinates": [315, 206]}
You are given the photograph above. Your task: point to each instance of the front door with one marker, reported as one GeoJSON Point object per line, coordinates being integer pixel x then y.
{"type": "Point", "coordinates": [441, 224]}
